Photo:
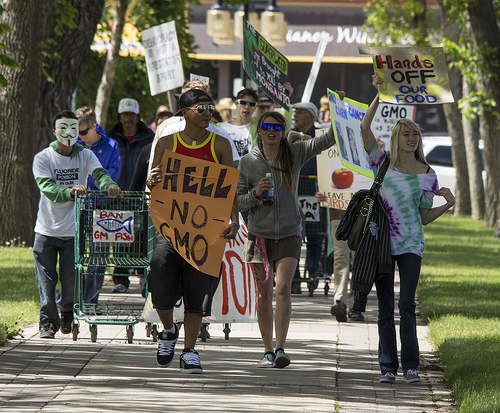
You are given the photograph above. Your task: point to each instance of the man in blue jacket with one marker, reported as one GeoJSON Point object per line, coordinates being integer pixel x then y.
{"type": "Point", "coordinates": [92, 136]}
{"type": "Point", "coordinates": [132, 135]}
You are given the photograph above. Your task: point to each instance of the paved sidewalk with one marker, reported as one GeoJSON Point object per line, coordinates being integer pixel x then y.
{"type": "Point", "coordinates": [334, 369]}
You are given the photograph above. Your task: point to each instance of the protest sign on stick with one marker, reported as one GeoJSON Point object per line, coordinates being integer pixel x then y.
{"type": "Point", "coordinates": [346, 120]}
{"type": "Point", "coordinates": [265, 65]}
{"type": "Point", "coordinates": [411, 75]}
{"type": "Point", "coordinates": [191, 207]}
{"type": "Point", "coordinates": [337, 182]}
{"type": "Point", "coordinates": [163, 58]}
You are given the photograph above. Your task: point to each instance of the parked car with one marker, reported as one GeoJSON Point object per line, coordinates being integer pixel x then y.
{"type": "Point", "coordinates": [437, 151]}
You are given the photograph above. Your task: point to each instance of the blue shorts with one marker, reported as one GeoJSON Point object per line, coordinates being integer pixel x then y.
{"type": "Point", "coordinates": [172, 278]}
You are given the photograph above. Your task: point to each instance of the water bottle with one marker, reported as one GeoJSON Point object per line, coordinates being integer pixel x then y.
{"type": "Point", "coordinates": [267, 196]}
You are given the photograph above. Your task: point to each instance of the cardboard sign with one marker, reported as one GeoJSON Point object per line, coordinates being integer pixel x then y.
{"type": "Point", "coordinates": [339, 188]}
{"type": "Point", "coordinates": [411, 75]}
{"type": "Point", "coordinates": [346, 120]}
{"type": "Point", "coordinates": [191, 207]}
{"type": "Point", "coordinates": [113, 226]}
{"type": "Point", "coordinates": [163, 58]}
{"type": "Point", "coordinates": [265, 65]}
{"type": "Point", "coordinates": [235, 300]}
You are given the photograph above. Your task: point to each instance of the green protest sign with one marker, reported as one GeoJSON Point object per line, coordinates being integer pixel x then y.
{"type": "Point", "coordinates": [265, 65]}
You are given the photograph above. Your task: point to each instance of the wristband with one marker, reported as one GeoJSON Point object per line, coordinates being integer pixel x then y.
{"type": "Point", "coordinates": [150, 184]}
{"type": "Point", "coordinates": [254, 193]}
{"type": "Point", "coordinates": [235, 223]}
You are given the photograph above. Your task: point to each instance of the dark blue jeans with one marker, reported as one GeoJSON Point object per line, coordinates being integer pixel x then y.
{"type": "Point", "coordinates": [409, 273]}
{"type": "Point", "coordinates": [313, 256]}
{"type": "Point", "coordinates": [46, 250]}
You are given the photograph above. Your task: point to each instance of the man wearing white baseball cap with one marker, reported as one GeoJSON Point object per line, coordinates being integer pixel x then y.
{"type": "Point", "coordinates": [304, 115]}
{"type": "Point", "coordinates": [132, 135]}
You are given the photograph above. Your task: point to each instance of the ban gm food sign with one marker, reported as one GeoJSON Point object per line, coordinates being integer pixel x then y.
{"type": "Point", "coordinates": [113, 226]}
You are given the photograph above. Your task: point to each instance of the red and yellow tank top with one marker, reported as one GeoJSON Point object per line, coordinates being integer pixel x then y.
{"type": "Point", "coordinates": [205, 150]}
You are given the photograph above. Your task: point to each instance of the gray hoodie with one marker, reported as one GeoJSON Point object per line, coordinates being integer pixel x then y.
{"type": "Point", "coordinates": [282, 219]}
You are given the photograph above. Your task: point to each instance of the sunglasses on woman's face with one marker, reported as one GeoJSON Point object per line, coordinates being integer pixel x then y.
{"type": "Point", "coordinates": [202, 108]}
{"type": "Point", "coordinates": [243, 102]}
{"type": "Point", "coordinates": [83, 132]}
{"type": "Point", "coordinates": [278, 127]}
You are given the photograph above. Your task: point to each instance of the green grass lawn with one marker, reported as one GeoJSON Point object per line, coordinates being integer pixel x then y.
{"type": "Point", "coordinates": [19, 302]}
{"type": "Point", "coordinates": [459, 293]}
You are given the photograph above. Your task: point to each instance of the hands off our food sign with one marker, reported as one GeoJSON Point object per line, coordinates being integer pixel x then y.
{"type": "Point", "coordinates": [411, 75]}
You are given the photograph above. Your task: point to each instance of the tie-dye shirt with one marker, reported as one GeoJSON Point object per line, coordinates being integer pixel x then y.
{"type": "Point", "coordinates": [403, 195]}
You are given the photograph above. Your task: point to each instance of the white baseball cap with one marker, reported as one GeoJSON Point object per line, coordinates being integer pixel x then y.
{"type": "Point", "coordinates": [309, 106]}
{"type": "Point", "coordinates": [128, 105]}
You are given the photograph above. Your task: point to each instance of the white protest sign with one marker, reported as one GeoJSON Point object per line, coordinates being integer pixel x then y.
{"type": "Point", "coordinates": [411, 75]}
{"type": "Point", "coordinates": [310, 208]}
{"type": "Point", "coordinates": [163, 58]}
{"type": "Point", "coordinates": [235, 300]}
{"type": "Point", "coordinates": [337, 182]}
{"type": "Point", "coordinates": [386, 117]}
{"type": "Point", "coordinates": [346, 120]}
{"type": "Point", "coordinates": [204, 79]}
{"type": "Point", "coordinates": [113, 226]}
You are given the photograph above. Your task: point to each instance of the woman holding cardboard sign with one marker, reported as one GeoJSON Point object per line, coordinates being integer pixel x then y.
{"type": "Point", "coordinates": [172, 277]}
{"type": "Point", "coordinates": [408, 189]}
{"type": "Point", "coordinates": [274, 238]}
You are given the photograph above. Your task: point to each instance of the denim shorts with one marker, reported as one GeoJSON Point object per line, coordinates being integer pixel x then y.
{"type": "Point", "coordinates": [172, 278]}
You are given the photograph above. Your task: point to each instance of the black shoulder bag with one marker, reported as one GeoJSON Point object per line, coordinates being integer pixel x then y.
{"type": "Point", "coordinates": [360, 215]}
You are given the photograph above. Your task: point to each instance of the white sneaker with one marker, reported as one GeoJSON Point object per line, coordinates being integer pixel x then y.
{"type": "Point", "coordinates": [267, 360]}
{"type": "Point", "coordinates": [120, 288]}
{"type": "Point", "coordinates": [190, 361]}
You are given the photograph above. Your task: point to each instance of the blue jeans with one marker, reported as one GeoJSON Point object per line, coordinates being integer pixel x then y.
{"type": "Point", "coordinates": [409, 273]}
{"type": "Point", "coordinates": [46, 251]}
{"type": "Point", "coordinates": [92, 284]}
{"type": "Point", "coordinates": [313, 255]}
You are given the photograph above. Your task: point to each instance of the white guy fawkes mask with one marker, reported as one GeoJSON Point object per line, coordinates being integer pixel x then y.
{"type": "Point", "coordinates": [67, 131]}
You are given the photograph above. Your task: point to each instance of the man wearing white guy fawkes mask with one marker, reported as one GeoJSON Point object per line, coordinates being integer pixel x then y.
{"type": "Point", "coordinates": [61, 171]}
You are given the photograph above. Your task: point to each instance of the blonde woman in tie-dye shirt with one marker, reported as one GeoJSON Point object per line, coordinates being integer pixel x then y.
{"type": "Point", "coordinates": [407, 192]}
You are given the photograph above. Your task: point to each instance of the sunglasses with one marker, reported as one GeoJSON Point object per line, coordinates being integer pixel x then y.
{"type": "Point", "coordinates": [278, 127]}
{"type": "Point", "coordinates": [243, 102]}
{"type": "Point", "coordinates": [83, 132]}
{"type": "Point", "coordinates": [202, 108]}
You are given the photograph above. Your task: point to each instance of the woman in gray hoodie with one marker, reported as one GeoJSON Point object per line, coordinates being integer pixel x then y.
{"type": "Point", "coordinates": [274, 237]}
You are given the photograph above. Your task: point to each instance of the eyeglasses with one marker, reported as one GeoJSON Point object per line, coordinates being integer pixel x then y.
{"type": "Point", "coordinates": [202, 108]}
{"type": "Point", "coordinates": [278, 127]}
{"type": "Point", "coordinates": [83, 132]}
{"type": "Point", "coordinates": [243, 102]}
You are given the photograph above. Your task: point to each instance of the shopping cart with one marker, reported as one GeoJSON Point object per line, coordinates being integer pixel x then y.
{"type": "Point", "coordinates": [111, 232]}
{"type": "Point", "coordinates": [316, 241]}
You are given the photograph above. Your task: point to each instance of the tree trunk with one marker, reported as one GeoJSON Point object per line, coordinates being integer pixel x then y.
{"type": "Point", "coordinates": [108, 76]}
{"type": "Point", "coordinates": [29, 105]}
{"type": "Point", "coordinates": [485, 31]}
{"type": "Point", "coordinates": [474, 161]}
{"type": "Point", "coordinates": [18, 195]}
{"type": "Point", "coordinates": [454, 121]}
